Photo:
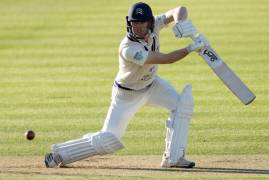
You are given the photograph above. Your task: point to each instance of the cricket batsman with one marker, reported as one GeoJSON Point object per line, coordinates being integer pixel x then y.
{"type": "Point", "coordinates": [137, 84]}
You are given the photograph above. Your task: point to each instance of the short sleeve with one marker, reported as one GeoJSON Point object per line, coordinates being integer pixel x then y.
{"type": "Point", "coordinates": [159, 22]}
{"type": "Point", "coordinates": [135, 54]}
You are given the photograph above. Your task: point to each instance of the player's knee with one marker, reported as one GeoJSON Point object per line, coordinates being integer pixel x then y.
{"type": "Point", "coordinates": [115, 131]}
{"type": "Point", "coordinates": [106, 142]}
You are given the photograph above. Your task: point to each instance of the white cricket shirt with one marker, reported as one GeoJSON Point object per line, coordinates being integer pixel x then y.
{"type": "Point", "coordinates": [133, 73]}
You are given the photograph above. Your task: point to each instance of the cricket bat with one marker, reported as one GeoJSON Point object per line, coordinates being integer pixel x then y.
{"type": "Point", "coordinates": [229, 78]}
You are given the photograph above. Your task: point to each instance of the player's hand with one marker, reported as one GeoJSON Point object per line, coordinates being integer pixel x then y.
{"type": "Point", "coordinates": [197, 46]}
{"type": "Point", "coordinates": [184, 29]}
{"type": "Point", "coordinates": [201, 38]}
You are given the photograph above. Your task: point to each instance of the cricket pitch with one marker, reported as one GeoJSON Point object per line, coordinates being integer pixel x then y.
{"type": "Point", "coordinates": [115, 166]}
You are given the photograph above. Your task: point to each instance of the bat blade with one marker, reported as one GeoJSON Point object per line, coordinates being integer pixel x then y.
{"type": "Point", "coordinates": [229, 78]}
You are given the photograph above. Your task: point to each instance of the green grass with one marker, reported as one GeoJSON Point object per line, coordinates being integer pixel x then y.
{"type": "Point", "coordinates": [58, 60]}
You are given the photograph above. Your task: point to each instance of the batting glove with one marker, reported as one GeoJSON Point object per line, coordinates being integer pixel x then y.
{"type": "Point", "coordinates": [197, 46]}
{"type": "Point", "coordinates": [184, 29]}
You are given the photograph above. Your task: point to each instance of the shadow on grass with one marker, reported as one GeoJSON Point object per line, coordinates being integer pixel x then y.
{"type": "Point", "coordinates": [193, 170]}
{"type": "Point", "coordinates": [145, 169]}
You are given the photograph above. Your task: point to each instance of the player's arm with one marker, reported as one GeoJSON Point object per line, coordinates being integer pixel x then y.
{"type": "Point", "coordinates": [161, 58]}
{"type": "Point", "coordinates": [174, 56]}
{"type": "Point", "coordinates": [138, 55]}
{"type": "Point", "coordinates": [176, 14]}
{"type": "Point", "coordinates": [182, 27]}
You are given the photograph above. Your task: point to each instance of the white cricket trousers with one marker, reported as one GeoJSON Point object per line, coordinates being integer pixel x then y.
{"type": "Point", "coordinates": [125, 103]}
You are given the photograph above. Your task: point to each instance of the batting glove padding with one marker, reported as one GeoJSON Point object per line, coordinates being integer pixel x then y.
{"type": "Point", "coordinates": [200, 41]}
{"type": "Point", "coordinates": [197, 46]}
{"type": "Point", "coordinates": [184, 29]}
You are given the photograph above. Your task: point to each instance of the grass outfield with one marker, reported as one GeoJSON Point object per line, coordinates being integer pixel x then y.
{"type": "Point", "coordinates": [58, 60]}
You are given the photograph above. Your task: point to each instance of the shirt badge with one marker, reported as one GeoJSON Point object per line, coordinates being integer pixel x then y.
{"type": "Point", "coordinates": [139, 55]}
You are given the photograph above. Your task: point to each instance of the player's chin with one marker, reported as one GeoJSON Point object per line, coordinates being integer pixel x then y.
{"type": "Point", "coordinates": [141, 36]}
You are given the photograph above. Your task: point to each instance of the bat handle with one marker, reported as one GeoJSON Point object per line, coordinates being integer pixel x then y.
{"type": "Point", "coordinates": [193, 37]}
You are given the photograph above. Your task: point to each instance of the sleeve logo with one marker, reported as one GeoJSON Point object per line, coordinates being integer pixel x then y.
{"type": "Point", "coordinates": [139, 55]}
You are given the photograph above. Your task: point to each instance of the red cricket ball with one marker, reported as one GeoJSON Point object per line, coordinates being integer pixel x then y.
{"type": "Point", "coordinates": [30, 135]}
